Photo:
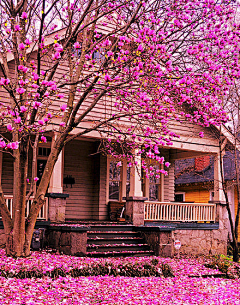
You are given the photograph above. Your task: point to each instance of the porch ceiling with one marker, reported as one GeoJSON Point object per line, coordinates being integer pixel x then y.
{"type": "Point", "coordinates": [177, 154]}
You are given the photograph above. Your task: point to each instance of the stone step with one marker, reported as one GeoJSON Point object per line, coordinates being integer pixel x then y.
{"type": "Point", "coordinates": [115, 240]}
{"type": "Point", "coordinates": [120, 253]}
{"type": "Point", "coordinates": [112, 234]}
{"type": "Point", "coordinates": [108, 228]}
{"type": "Point", "coordinates": [117, 247]}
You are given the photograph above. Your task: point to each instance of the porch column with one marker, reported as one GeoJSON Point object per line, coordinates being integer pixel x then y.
{"type": "Point", "coordinates": [56, 198]}
{"type": "Point", "coordinates": [135, 178]}
{"type": "Point", "coordinates": [218, 187]}
{"type": "Point", "coordinates": [135, 201]}
{"type": "Point", "coordinates": [56, 181]}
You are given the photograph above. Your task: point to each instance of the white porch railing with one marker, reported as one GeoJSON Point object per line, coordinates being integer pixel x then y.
{"type": "Point", "coordinates": [179, 211]}
{"type": "Point", "coordinates": [42, 214]}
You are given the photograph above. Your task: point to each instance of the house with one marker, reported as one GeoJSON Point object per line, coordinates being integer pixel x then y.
{"type": "Point", "coordinates": [83, 183]}
{"type": "Point", "coordinates": [194, 180]}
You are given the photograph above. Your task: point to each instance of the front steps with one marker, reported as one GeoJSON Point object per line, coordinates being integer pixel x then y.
{"type": "Point", "coordinates": [105, 240]}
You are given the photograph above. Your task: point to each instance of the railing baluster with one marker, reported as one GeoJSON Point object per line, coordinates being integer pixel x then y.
{"type": "Point", "coordinates": [166, 211]}
{"type": "Point", "coordinates": [42, 214]}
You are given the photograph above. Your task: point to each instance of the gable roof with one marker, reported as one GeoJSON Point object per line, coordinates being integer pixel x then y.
{"type": "Point", "coordinates": [186, 173]}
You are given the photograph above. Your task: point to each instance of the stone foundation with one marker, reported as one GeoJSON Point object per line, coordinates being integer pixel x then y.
{"type": "Point", "coordinates": [57, 207]}
{"type": "Point", "coordinates": [160, 242]}
{"type": "Point", "coordinates": [202, 242]}
{"type": "Point", "coordinates": [135, 210]}
{"type": "Point", "coordinates": [68, 240]}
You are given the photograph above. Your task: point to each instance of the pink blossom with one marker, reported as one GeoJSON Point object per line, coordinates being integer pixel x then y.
{"type": "Point", "coordinates": [9, 127]}
{"type": "Point", "coordinates": [4, 81]}
{"type": "Point", "coordinates": [201, 134]}
{"type": "Point", "coordinates": [18, 120]}
{"type": "Point", "coordinates": [13, 145]}
{"type": "Point", "coordinates": [2, 144]}
{"type": "Point", "coordinates": [24, 15]}
{"type": "Point", "coordinates": [35, 76]}
{"type": "Point", "coordinates": [107, 78]}
{"type": "Point", "coordinates": [17, 28]}
{"type": "Point", "coordinates": [63, 107]}
{"type": "Point", "coordinates": [21, 46]}
{"type": "Point", "coordinates": [167, 164]}
{"type": "Point", "coordinates": [56, 56]}
{"type": "Point", "coordinates": [140, 48]}
{"type": "Point", "coordinates": [77, 45]}
{"type": "Point", "coordinates": [35, 179]}
{"type": "Point", "coordinates": [20, 90]}
{"type": "Point", "coordinates": [41, 122]}
{"type": "Point", "coordinates": [23, 108]}
{"type": "Point", "coordinates": [28, 42]}
{"type": "Point", "coordinates": [43, 139]}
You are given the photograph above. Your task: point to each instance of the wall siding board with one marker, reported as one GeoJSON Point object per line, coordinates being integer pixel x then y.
{"type": "Point", "coordinates": [236, 207]}
{"type": "Point", "coordinates": [7, 174]}
{"type": "Point", "coordinates": [80, 163]}
{"type": "Point", "coordinates": [171, 184]}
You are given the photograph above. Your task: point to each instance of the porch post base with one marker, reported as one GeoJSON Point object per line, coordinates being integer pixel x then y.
{"type": "Point", "coordinates": [135, 210]}
{"type": "Point", "coordinates": [57, 207]}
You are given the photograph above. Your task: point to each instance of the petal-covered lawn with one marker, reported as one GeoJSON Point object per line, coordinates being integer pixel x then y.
{"type": "Point", "coordinates": [119, 290]}
{"type": "Point", "coordinates": [186, 287]}
{"type": "Point", "coordinates": [46, 262]}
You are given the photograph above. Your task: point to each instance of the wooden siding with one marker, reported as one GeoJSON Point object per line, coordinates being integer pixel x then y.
{"type": "Point", "coordinates": [103, 208]}
{"type": "Point", "coordinates": [236, 206]}
{"type": "Point", "coordinates": [7, 174]}
{"type": "Point", "coordinates": [200, 196]}
{"type": "Point", "coordinates": [84, 167]}
{"type": "Point", "coordinates": [171, 183]}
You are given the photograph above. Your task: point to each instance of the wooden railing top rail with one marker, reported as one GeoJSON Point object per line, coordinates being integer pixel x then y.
{"type": "Point", "coordinates": [180, 203]}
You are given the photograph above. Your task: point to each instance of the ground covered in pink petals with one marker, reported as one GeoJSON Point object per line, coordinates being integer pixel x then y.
{"type": "Point", "coordinates": [119, 290]}
{"type": "Point", "coordinates": [186, 287]}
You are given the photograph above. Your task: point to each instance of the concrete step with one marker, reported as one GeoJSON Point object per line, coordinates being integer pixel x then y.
{"type": "Point", "coordinates": [115, 227]}
{"type": "Point", "coordinates": [117, 247]}
{"type": "Point", "coordinates": [112, 234]}
{"type": "Point", "coordinates": [115, 240]}
{"type": "Point", "coordinates": [120, 253]}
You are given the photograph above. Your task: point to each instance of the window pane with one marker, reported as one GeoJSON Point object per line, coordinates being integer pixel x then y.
{"type": "Point", "coordinates": [153, 192]}
{"type": "Point", "coordinates": [114, 190]}
{"type": "Point", "coordinates": [179, 197]}
{"type": "Point", "coordinates": [114, 171]}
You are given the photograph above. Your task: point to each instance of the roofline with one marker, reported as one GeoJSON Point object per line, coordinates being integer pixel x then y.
{"type": "Point", "coordinates": [229, 136]}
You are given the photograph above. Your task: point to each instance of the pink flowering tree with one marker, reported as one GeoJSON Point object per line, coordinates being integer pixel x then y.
{"type": "Point", "coordinates": [142, 63]}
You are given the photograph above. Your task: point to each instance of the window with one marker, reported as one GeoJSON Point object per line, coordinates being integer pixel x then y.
{"type": "Point", "coordinates": [98, 55]}
{"type": "Point", "coordinates": [42, 156]}
{"type": "Point", "coordinates": [179, 197]}
{"type": "Point", "coordinates": [114, 181]}
{"type": "Point", "coordinates": [153, 187]}
{"type": "Point", "coordinates": [211, 195]}
{"type": "Point", "coordinates": [118, 180]}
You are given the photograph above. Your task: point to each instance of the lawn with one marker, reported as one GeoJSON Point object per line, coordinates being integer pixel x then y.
{"type": "Point", "coordinates": [46, 278]}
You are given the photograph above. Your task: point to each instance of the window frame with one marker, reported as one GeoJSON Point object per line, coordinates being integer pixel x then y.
{"type": "Point", "coordinates": [146, 184]}
{"type": "Point", "coordinates": [122, 181]}
{"type": "Point", "coordinates": [180, 193]}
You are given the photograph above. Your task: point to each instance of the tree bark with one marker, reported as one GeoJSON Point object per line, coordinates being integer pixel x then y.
{"type": "Point", "coordinates": [16, 238]}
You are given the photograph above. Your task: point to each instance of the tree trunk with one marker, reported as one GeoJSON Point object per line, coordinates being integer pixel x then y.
{"type": "Point", "coordinates": [39, 199]}
{"type": "Point", "coordinates": [16, 238]}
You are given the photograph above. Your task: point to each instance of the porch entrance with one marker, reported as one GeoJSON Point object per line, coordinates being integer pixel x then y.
{"type": "Point", "coordinates": [82, 169]}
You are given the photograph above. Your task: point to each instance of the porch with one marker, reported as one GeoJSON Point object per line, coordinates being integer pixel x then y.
{"type": "Point", "coordinates": [153, 211]}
